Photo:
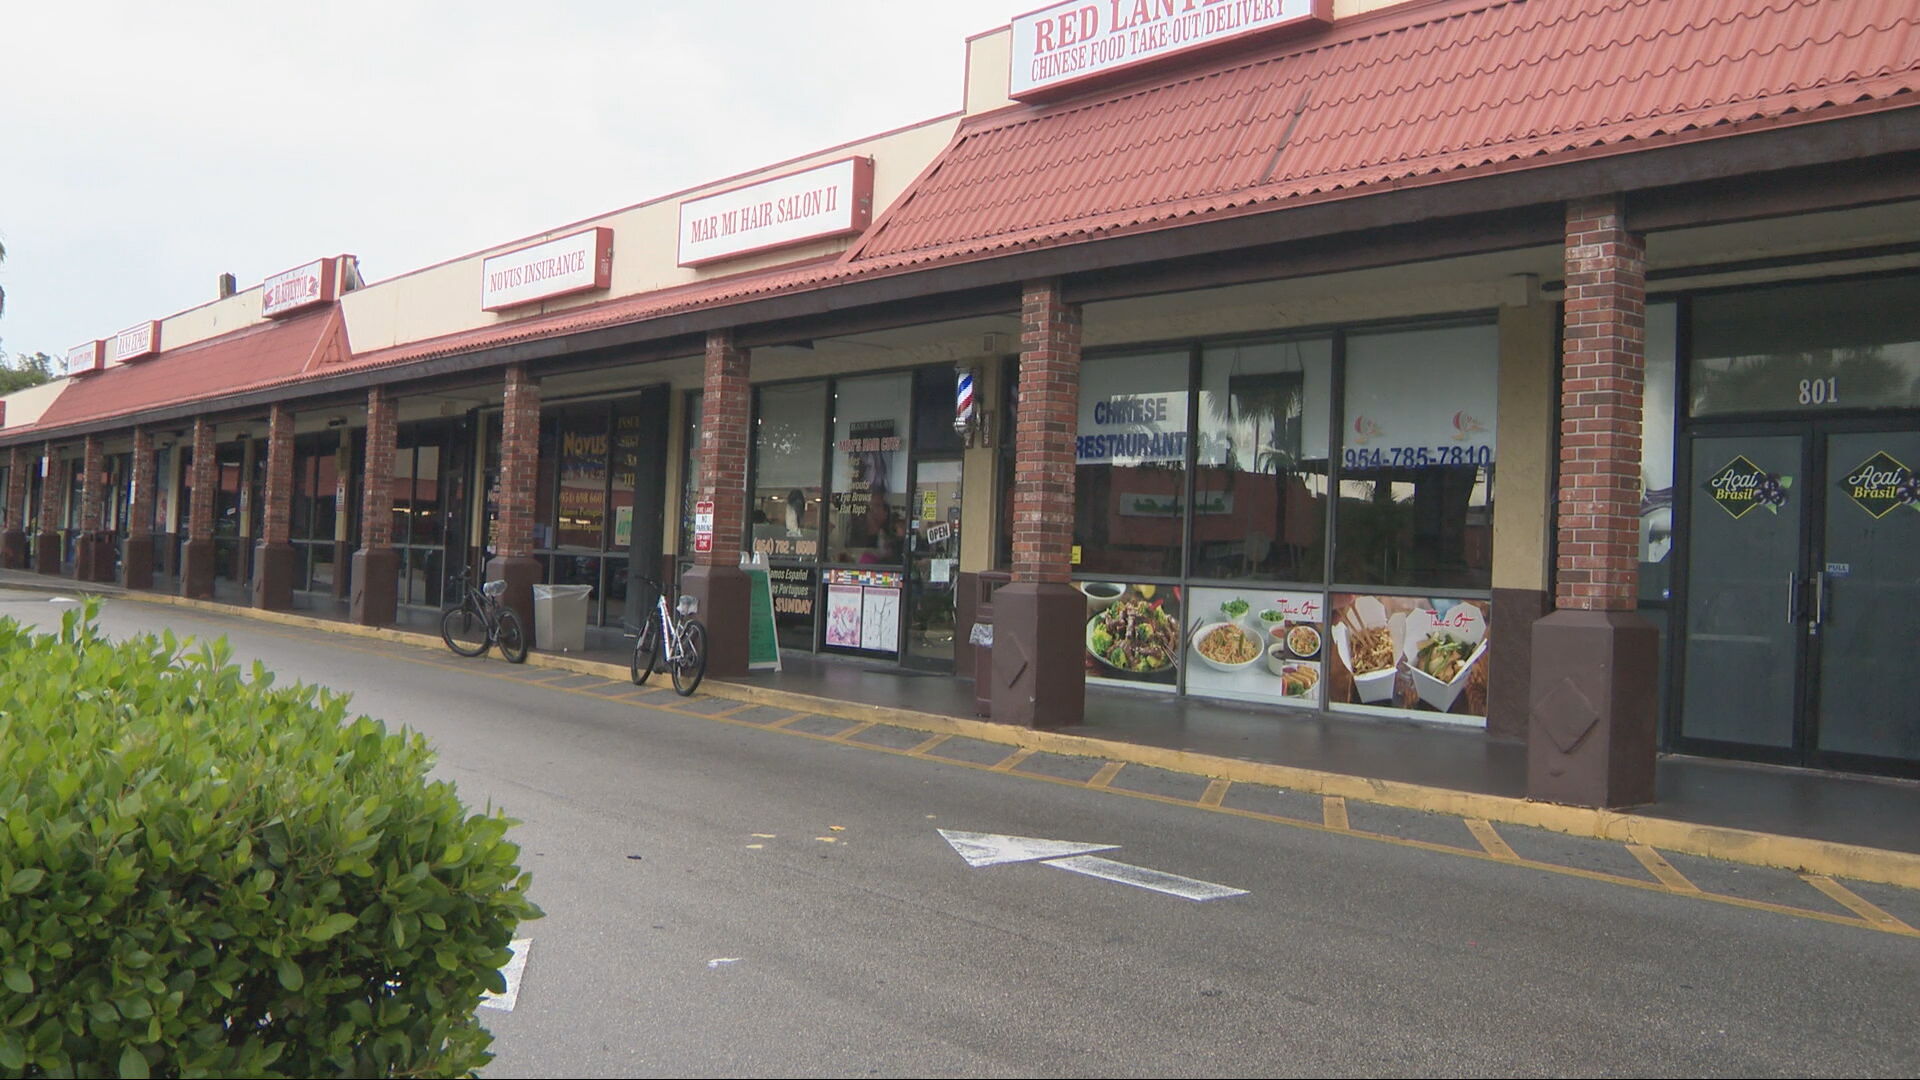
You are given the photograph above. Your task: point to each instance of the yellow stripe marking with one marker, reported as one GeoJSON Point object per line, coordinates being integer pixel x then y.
{"type": "Point", "coordinates": [722, 714]}
{"type": "Point", "coordinates": [1007, 763]}
{"type": "Point", "coordinates": [780, 723]}
{"type": "Point", "coordinates": [927, 744]}
{"type": "Point", "coordinates": [1853, 902]}
{"type": "Point", "coordinates": [1106, 774]}
{"type": "Point", "coordinates": [1215, 794]}
{"type": "Point", "coordinates": [1333, 811]}
{"type": "Point", "coordinates": [1484, 832]}
{"type": "Point", "coordinates": [1662, 869]}
{"type": "Point", "coordinates": [854, 730]}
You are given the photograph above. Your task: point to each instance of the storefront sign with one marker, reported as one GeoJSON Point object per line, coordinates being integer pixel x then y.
{"type": "Point", "coordinates": [581, 262]}
{"type": "Point", "coordinates": [1880, 485]}
{"type": "Point", "coordinates": [835, 199]}
{"type": "Point", "coordinates": [763, 638]}
{"type": "Point", "coordinates": [703, 525]}
{"type": "Point", "coordinates": [1079, 41]}
{"type": "Point", "coordinates": [137, 342]}
{"type": "Point", "coordinates": [1254, 645]}
{"type": "Point", "coordinates": [300, 288]}
{"type": "Point", "coordinates": [1134, 633]}
{"type": "Point", "coordinates": [86, 359]}
{"type": "Point", "coordinates": [1132, 429]}
{"type": "Point", "coordinates": [1741, 485]}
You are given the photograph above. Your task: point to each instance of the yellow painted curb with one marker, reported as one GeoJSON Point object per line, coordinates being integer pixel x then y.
{"type": "Point", "coordinates": [1796, 853]}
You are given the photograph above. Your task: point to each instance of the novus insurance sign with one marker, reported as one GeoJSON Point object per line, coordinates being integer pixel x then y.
{"type": "Point", "coordinates": [578, 262]}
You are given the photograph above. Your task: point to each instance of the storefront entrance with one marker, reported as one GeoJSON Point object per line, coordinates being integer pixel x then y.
{"type": "Point", "coordinates": [934, 555]}
{"type": "Point", "coordinates": [1802, 595]}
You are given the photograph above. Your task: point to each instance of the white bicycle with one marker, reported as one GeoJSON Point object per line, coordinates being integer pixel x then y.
{"type": "Point", "coordinates": [674, 639]}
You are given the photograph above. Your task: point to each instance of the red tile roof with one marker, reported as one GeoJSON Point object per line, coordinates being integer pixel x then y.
{"type": "Point", "coordinates": [248, 359]}
{"type": "Point", "coordinates": [1436, 92]}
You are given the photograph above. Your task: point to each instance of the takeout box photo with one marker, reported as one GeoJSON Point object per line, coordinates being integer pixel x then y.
{"type": "Point", "coordinates": [1463, 622]}
{"type": "Point", "coordinates": [1368, 613]}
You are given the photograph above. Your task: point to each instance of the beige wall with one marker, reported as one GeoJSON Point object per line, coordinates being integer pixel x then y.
{"type": "Point", "coordinates": [26, 406]}
{"type": "Point", "coordinates": [1523, 481]}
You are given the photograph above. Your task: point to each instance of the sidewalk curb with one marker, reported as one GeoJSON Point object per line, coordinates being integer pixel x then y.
{"type": "Point", "coordinates": [1801, 854]}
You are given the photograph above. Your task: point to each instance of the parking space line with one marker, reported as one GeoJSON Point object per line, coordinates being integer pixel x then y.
{"type": "Point", "coordinates": [1106, 774]}
{"type": "Point", "coordinates": [1333, 813]}
{"type": "Point", "coordinates": [1007, 764]}
{"type": "Point", "coordinates": [1215, 794]}
{"type": "Point", "coordinates": [782, 722]}
{"type": "Point", "coordinates": [854, 730]}
{"type": "Point", "coordinates": [927, 744]}
{"type": "Point", "coordinates": [1489, 838]}
{"type": "Point", "coordinates": [1660, 868]}
{"type": "Point", "coordinates": [1853, 902]}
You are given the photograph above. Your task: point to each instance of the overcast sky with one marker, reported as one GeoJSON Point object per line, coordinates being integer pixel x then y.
{"type": "Point", "coordinates": [145, 148]}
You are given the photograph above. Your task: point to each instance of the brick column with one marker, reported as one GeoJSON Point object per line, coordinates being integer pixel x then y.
{"type": "Point", "coordinates": [715, 579]}
{"type": "Point", "coordinates": [376, 566]}
{"type": "Point", "coordinates": [13, 542]}
{"type": "Point", "coordinates": [513, 560]}
{"type": "Point", "coordinates": [136, 563]}
{"type": "Point", "coordinates": [196, 555]}
{"type": "Point", "coordinates": [93, 549]}
{"type": "Point", "coordinates": [1039, 620]}
{"type": "Point", "coordinates": [273, 554]}
{"type": "Point", "coordinates": [48, 551]}
{"type": "Point", "coordinates": [1592, 723]}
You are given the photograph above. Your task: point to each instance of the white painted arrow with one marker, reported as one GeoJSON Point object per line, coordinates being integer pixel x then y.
{"type": "Point", "coordinates": [992, 849]}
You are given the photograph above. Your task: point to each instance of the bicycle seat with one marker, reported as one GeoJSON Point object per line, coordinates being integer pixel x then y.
{"type": "Point", "coordinates": [494, 588]}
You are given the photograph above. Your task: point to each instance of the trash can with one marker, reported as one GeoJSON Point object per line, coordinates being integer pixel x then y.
{"type": "Point", "coordinates": [980, 636]}
{"type": "Point", "coordinates": [560, 617]}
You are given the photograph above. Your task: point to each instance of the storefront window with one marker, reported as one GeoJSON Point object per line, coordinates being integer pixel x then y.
{"type": "Point", "coordinates": [1131, 451]}
{"type": "Point", "coordinates": [1260, 479]}
{"type": "Point", "coordinates": [1656, 452]}
{"type": "Point", "coordinates": [933, 411]}
{"type": "Point", "coordinates": [868, 518]}
{"type": "Point", "coordinates": [790, 429]}
{"type": "Point", "coordinates": [1796, 348]}
{"type": "Point", "coordinates": [1416, 503]}
{"type": "Point", "coordinates": [690, 475]}
{"type": "Point", "coordinates": [581, 515]}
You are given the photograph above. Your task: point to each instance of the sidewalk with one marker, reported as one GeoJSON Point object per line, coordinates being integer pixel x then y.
{"type": "Point", "coordinates": [1831, 823]}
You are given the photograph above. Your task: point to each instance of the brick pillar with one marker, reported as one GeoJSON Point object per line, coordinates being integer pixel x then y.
{"type": "Point", "coordinates": [136, 563]}
{"type": "Point", "coordinates": [13, 542]}
{"type": "Point", "coordinates": [273, 555]}
{"type": "Point", "coordinates": [48, 551]}
{"type": "Point", "coordinates": [513, 560]}
{"type": "Point", "coordinates": [93, 548]}
{"type": "Point", "coordinates": [1592, 720]}
{"type": "Point", "coordinates": [376, 566]}
{"type": "Point", "coordinates": [196, 555]}
{"type": "Point", "coordinates": [715, 579]}
{"type": "Point", "coordinates": [1039, 620]}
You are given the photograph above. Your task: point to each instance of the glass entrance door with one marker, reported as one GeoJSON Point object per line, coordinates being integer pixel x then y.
{"type": "Point", "coordinates": [934, 558]}
{"type": "Point", "coordinates": [1803, 576]}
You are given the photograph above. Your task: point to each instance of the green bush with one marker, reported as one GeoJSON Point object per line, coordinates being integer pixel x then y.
{"type": "Point", "coordinates": [204, 875]}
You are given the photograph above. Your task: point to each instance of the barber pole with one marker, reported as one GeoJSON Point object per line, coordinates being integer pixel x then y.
{"type": "Point", "coordinates": [963, 401]}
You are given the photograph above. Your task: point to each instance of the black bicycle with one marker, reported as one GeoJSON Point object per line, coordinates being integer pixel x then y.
{"type": "Point", "coordinates": [480, 620]}
{"type": "Point", "coordinates": [674, 637]}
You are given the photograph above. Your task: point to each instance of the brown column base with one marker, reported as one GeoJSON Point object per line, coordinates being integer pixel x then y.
{"type": "Point", "coordinates": [342, 570]}
{"type": "Point", "coordinates": [47, 552]}
{"type": "Point", "coordinates": [1039, 640]}
{"type": "Point", "coordinates": [1592, 728]}
{"type": "Point", "coordinates": [169, 563]}
{"type": "Point", "coordinates": [13, 550]}
{"type": "Point", "coordinates": [273, 566]}
{"type": "Point", "coordinates": [521, 573]}
{"type": "Point", "coordinates": [136, 566]}
{"type": "Point", "coordinates": [96, 562]}
{"type": "Point", "coordinates": [376, 586]}
{"type": "Point", "coordinates": [196, 568]}
{"type": "Point", "coordinates": [1514, 613]}
{"type": "Point", "coordinates": [725, 596]}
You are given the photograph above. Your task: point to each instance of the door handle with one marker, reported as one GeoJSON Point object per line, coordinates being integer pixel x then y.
{"type": "Point", "coordinates": [1793, 598]}
{"type": "Point", "coordinates": [1819, 598]}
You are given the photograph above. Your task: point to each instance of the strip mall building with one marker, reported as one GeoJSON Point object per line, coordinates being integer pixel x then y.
{"type": "Point", "coordinates": [1545, 366]}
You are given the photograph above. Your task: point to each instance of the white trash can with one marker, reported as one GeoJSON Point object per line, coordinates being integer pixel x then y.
{"type": "Point", "coordinates": [560, 617]}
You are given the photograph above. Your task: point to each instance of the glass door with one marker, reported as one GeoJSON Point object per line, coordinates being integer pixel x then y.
{"type": "Point", "coordinates": [1864, 607]}
{"type": "Point", "coordinates": [934, 550]}
{"type": "Point", "coordinates": [1803, 596]}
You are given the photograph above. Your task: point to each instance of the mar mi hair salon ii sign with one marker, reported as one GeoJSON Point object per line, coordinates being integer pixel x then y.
{"type": "Point", "coordinates": [834, 199]}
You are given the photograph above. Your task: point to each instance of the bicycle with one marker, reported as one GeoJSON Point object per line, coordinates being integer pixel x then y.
{"type": "Point", "coordinates": [480, 620]}
{"type": "Point", "coordinates": [674, 636]}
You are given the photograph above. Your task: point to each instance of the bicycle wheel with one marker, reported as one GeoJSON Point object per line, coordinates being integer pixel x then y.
{"type": "Point", "coordinates": [646, 655]}
{"type": "Point", "coordinates": [691, 665]}
{"type": "Point", "coordinates": [511, 639]}
{"type": "Point", "coordinates": [464, 631]}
